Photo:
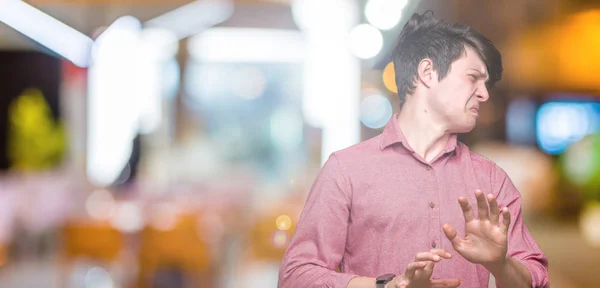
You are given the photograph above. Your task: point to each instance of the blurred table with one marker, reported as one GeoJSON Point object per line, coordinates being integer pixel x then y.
{"type": "Point", "coordinates": [572, 262]}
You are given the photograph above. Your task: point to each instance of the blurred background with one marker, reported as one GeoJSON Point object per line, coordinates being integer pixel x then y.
{"type": "Point", "coordinates": [149, 143]}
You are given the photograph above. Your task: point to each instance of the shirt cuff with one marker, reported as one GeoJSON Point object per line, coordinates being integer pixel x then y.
{"type": "Point", "coordinates": [341, 280]}
{"type": "Point", "coordinates": [539, 275]}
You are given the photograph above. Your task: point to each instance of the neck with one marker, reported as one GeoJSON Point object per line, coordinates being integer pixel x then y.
{"type": "Point", "coordinates": [426, 137]}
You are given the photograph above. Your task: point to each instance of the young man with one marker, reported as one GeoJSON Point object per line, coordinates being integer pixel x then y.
{"type": "Point", "coordinates": [413, 207]}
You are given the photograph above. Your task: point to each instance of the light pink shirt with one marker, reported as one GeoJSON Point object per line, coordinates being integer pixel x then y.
{"type": "Point", "coordinates": [375, 205]}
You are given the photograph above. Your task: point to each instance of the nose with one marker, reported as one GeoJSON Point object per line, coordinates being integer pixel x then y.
{"type": "Point", "coordinates": [482, 93]}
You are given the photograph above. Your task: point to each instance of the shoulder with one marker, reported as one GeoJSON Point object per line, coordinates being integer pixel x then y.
{"type": "Point", "coordinates": [488, 171]}
{"type": "Point", "coordinates": [359, 152]}
{"type": "Point", "coordinates": [481, 164]}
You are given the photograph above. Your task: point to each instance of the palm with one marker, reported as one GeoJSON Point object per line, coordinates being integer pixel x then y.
{"type": "Point", "coordinates": [485, 240]}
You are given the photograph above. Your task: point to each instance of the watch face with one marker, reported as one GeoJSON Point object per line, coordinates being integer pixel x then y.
{"type": "Point", "coordinates": [385, 278]}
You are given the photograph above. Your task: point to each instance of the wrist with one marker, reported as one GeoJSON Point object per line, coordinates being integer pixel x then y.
{"type": "Point", "coordinates": [385, 281]}
{"type": "Point", "coordinates": [499, 267]}
{"type": "Point", "coordinates": [391, 284]}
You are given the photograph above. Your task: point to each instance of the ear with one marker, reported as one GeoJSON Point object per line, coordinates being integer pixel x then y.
{"type": "Point", "coordinates": [426, 74]}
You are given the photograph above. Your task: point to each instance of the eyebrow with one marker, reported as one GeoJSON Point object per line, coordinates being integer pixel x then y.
{"type": "Point", "coordinates": [481, 74]}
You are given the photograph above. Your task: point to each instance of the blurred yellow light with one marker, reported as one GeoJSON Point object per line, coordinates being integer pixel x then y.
{"type": "Point", "coordinates": [589, 223]}
{"type": "Point", "coordinates": [283, 222]}
{"type": "Point", "coordinates": [389, 77]}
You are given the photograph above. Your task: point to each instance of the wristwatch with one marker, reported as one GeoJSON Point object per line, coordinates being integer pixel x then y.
{"type": "Point", "coordinates": [384, 279]}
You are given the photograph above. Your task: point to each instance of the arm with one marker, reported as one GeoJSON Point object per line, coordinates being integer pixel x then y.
{"type": "Point", "coordinates": [511, 273]}
{"type": "Point", "coordinates": [505, 248]}
{"type": "Point", "coordinates": [319, 241]}
{"type": "Point", "coordinates": [416, 274]}
{"type": "Point", "coordinates": [362, 282]}
{"type": "Point", "coordinates": [526, 264]}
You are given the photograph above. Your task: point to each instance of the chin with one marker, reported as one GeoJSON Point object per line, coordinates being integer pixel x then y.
{"type": "Point", "coordinates": [463, 129]}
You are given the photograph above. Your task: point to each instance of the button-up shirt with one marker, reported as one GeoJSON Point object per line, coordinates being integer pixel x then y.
{"type": "Point", "coordinates": [375, 205]}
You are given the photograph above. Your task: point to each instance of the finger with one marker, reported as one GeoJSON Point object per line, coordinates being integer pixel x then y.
{"type": "Point", "coordinates": [412, 267]}
{"type": "Point", "coordinates": [494, 210]}
{"type": "Point", "coordinates": [505, 220]}
{"type": "Point", "coordinates": [467, 210]}
{"type": "Point", "coordinates": [445, 283]}
{"type": "Point", "coordinates": [482, 206]}
{"type": "Point", "coordinates": [443, 253]}
{"type": "Point", "coordinates": [427, 270]}
{"type": "Point", "coordinates": [427, 256]}
{"type": "Point", "coordinates": [451, 235]}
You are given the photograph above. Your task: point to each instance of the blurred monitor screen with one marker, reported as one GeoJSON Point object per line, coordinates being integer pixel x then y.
{"type": "Point", "coordinates": [520, 122]}
{"type": "Point", "coordinates": [559, 123]}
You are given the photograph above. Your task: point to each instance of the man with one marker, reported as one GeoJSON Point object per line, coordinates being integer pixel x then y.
{"type": "Point", "coordinates": [398, 210]}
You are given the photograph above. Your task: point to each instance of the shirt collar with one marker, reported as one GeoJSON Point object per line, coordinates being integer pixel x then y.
{"type": "Point", "coordinates": [392, 135]}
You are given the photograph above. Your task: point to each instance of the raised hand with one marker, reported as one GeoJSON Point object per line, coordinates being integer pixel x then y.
{"type": "Point", "coordinates": [486, 239]}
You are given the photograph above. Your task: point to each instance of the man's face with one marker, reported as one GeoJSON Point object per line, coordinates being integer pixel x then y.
{"type": "Point", "coordinates": [455, 100]}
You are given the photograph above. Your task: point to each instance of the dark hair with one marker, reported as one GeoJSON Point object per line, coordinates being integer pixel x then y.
{"type": "Point", "coordinates": [424, 36]}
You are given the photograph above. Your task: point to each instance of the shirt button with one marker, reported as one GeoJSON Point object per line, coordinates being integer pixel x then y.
{"type": "Point", "coordinates": [433, 245]}
{"type": "Point", "coordinates": [428, 167]}
{"type": "Point", "coordinates": [431, 205]}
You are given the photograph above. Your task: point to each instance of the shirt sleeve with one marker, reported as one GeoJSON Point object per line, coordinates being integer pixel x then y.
{"type": "Point", "coordinates": [319, 241]}
{"type": "Point", "coordinates": [521, 245]}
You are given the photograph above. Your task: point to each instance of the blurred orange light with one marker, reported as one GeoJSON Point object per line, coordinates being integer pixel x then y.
{"type": "Point", "coordinates": [558, 55]}
{"type": "Point", "coordinates": [389, 77]}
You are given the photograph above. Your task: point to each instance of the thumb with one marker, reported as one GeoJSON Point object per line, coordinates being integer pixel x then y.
{"type": "Point", "coordinates": [451, 234]}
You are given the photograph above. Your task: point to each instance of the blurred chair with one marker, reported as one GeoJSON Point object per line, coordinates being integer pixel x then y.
{"type": "Point", "coordinates": [267, 242]}
{"type": "Point", "coordinates": [93, 241]}
{"type": "Point", "coordinates": [3, 254]}
{"type": "Point", "coordinates": [175, 257]}
{"type": "Point", "coordinates": [265, 245]}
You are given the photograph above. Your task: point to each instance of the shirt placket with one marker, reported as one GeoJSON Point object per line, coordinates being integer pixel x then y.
{"type": "Point", "coordinates": [434, 218]}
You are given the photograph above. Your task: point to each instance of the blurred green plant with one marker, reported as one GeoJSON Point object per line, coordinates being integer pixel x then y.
{"type": "Point", "coordinates": [580, 164]}
{"type": "Point", "coordinates": [35, 140]}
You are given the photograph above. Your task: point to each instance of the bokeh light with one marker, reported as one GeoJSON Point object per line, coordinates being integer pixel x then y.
{"type": "Point", "coordinates": [279, 238]}
{"type": "Point", "coordinates": [561, 123]}
{"type": "Point", "coordinates": [164, 216]}
{"type": "Point", "coordinates": [283, 222]}
{"type": "Point", "coordinates": [581, 165]}
{"type": "Point", "coordinates": [365, 41]}
{"type": "Point", "coordinates": [322, 15]}
{"type": "Point", "coordinates": [98, 277]}
{"type": "Point", "coordinates": [589, 223]}
{"type": "Point", "coordinates": [384, 14]}
{"type": "Point", "coordinates": [100, 205]}
{"type": "Point", "coordinates": [127, 217]}
{"type": "Point", "coordinates": [389, 78]}
{"type": "Point", "coordinates": [375, 111]}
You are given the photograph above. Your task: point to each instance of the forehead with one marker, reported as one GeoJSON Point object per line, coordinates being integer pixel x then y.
{"type": "Point", "coordinates": [470, 60]}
